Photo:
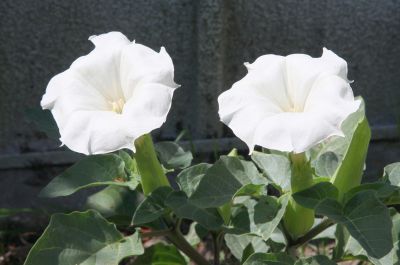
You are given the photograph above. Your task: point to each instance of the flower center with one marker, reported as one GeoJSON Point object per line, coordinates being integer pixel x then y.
{"type": "Point", "coordinates": [117, 106]}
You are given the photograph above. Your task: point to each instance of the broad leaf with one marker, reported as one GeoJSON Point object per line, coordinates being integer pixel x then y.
{"type": "Point", "coordinates": [326, 164]}
{"type": "Point", "coordinates": [392, 174]}
{"type": "Point", "coordinates": [316, 260]}
{"type": "Point", "coordinates": [161, 254]}
{"type": "Point", "coordinates": [366, 218]}
{"type": "Point", "coordinates": [222, 180]}
{"type": "Point", "coordinates": [183, 208]}
{"type": "Point", "coordinates": [349, 247]}
{"type": "Point", "coordinates": [263, 215]}
{"type": "Point", "coordinates": [44, 121]}
{"type": "Point", "coordinates": [82, 238]}
{"type": "Point", "coordinates": [276, 168]}
{"type": "Point", "coordinates": [116, 203]}
{"type": "Point", "coordinates": [152, 207]}
{"type": "Point", "coordinates": [172, 156]}
{"type": "Point", "coordinates": [312, 196]}
{"type": "Point", "coordinates": [269, 259]}
{"type": "Point", "coordinates": [189, 178]}
{"type": "Point", "coordinates": [92, 171]}
{"type": "Point", "coordinates": [237, 244]}
{"type": "Point", "coordinates": [387, 193]}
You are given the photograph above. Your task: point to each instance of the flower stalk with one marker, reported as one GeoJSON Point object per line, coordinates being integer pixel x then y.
{"type": "Point", "coordinates": [297, 219]}
{"type": "Point", "coordinates": [150, 169]}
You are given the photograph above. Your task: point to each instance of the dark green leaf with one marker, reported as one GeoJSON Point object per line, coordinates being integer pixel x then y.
{"type": "Point", "coordinates": [237, 244]}
{"type": "Point", "coordinates": [152, 207]}
{"type": "Point", "coordinates": [161, 254]}
{"type": "Point", "coordinates": [316, 260]}
{"type": "Point", "coordinates": [96, 170]}
{"type": "Point", "coordinates": [265, 214]}
{"type": "Point", "coordinates": [183, 208]}
{"type": "Point", "coordinates": [312, 196]}
{"type": "Point", "coordinates": [44, 121]}
{"type": "Point", "coordinates": [220, 183]}
{"type": "Point", "coordinates": [366, 218]}
{"type": "Point", "coordinates": [82, 238]}
{"type": "Point", "coordinates": [172, 156]}
{"type": "Point", "coordinates": [189, 178]}
{"type": "Point", "coordinates": [6, 212]}
{"type": "Point", "coordinates": [116, 203]}
{"type": "Point", "coordinates": [276, 167]}
{"type": "Point", "coordinates": [387, 193]}
{"type": "Point", "coordinates": [269, 259]}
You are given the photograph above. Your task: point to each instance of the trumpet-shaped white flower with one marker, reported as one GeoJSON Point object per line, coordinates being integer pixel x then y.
{"type": "Point", "coordinates": [289, 103]}
{"type": "Point", "coordinates": [110, 97]}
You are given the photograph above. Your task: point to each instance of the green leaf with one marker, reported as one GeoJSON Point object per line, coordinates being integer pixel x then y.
{"type": "Point", "coordinates": [189, 178]}
{"type": "Point", "coordinates": [349, 247]}
{"type": "Point", "coordinates": [152, 207]}
{"type": "Point", "coordinates": [357, 136]}
{"type": "Point", "coordinates": [116, 203]}
{"type": "Point", "coordinates": [183, 208]}
{"type": "Point", "coordinates": [92, 171]}
{"type": "Point", "coordinates": [312, 196]}
{"type": "Point", "coordinates": [130, 163]}
{"type": "Point", "coordinates": [316, 260]}
{"type": "Point", "coordinates": [6, 212]}
{"type": "Point", "coordinates": [220, 183]}
{"type": "Point", "coordinates": [161, 254]}
{"type": "Point", "coordinates": [44, 121]}
{"type": "Point", "coordinates": [82, 238]}
{"type": "Point", "coordinates": [392, 174]}
{"type": "Point", "coordinates": [366, 218]}
{"type": "Point", "coordinates": [276, 168]}
{"type": "Point", "coordinates": [237, 244]}
{"type": "Point", "coordinates": [269, 259]}
{"type": "Point", "coordinates": [326, 164]}
{"type": "Point", "coordinates": [264, 215]}
{"type": "Point", "coordinates": [172, 156]}
{"type": "Point", "coordinates": [387, 193]}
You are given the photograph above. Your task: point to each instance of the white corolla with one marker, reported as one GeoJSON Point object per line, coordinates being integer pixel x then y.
{"type": "Point", "coordinates": [110, 97]}
{"type": "Point", "coordinates": [289, 103]}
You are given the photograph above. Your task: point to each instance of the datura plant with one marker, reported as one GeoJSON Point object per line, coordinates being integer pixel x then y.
{"type": "Point", "coordinates": [296, 197]}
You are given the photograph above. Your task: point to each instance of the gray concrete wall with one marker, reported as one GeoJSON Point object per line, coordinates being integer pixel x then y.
{"type": "Point", "coordinates": [208, 41]}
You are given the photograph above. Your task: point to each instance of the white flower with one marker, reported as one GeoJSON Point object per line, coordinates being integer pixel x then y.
{"type": "Point", "coordinates": [289, 103]}
{"type": "Point", "coordinates": [110, 97]}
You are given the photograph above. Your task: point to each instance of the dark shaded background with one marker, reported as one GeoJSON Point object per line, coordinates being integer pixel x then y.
{"type": "Point", "coordinates": [208, 41]}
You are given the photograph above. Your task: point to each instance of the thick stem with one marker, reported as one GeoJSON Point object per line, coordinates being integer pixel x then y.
{"type": "Point", "coordinates": [216, 244]}
{"type": "Point", "coordinates": [298, 220]}
{"type": "Point", "coordinates": [180, 242]}
{"type": "Point", "coordinates": [150, 169]}
{"type": "Point", "coordinates": [312, 233]}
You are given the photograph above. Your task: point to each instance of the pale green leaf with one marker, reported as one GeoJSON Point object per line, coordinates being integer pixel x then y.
{"type": "Point", "coordinates": [82, 238]}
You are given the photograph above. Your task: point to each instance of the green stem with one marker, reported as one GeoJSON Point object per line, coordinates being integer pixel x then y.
{"type": "Point", "coordinates": [313, 232]}
{"type": "Point", "coordinates": [150, 169]}
{"type": "Point", "coordinates": [298, 220]}
{"type": "Point", "coordinates": [180, 242]}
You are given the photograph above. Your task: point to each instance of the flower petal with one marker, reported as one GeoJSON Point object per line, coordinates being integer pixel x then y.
{"type": "Point", "coordinates": [293, 132]}
{"type": "Point", "coordinates": [140, 64]}
{"type": "Point", "coordinates": [100, 68]}
{"type": "Point", "coordinates": [96, 132]}
{"type": "Point", "coordinates": [332, 97]}
{"type": "Point", "coordinates": [302, 71]}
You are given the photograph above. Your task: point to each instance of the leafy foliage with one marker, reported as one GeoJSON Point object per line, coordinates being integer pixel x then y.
{"type": "Point", "coordinates": [82, 238]}
{"type": "Point", "coordinates": [92, 171]}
